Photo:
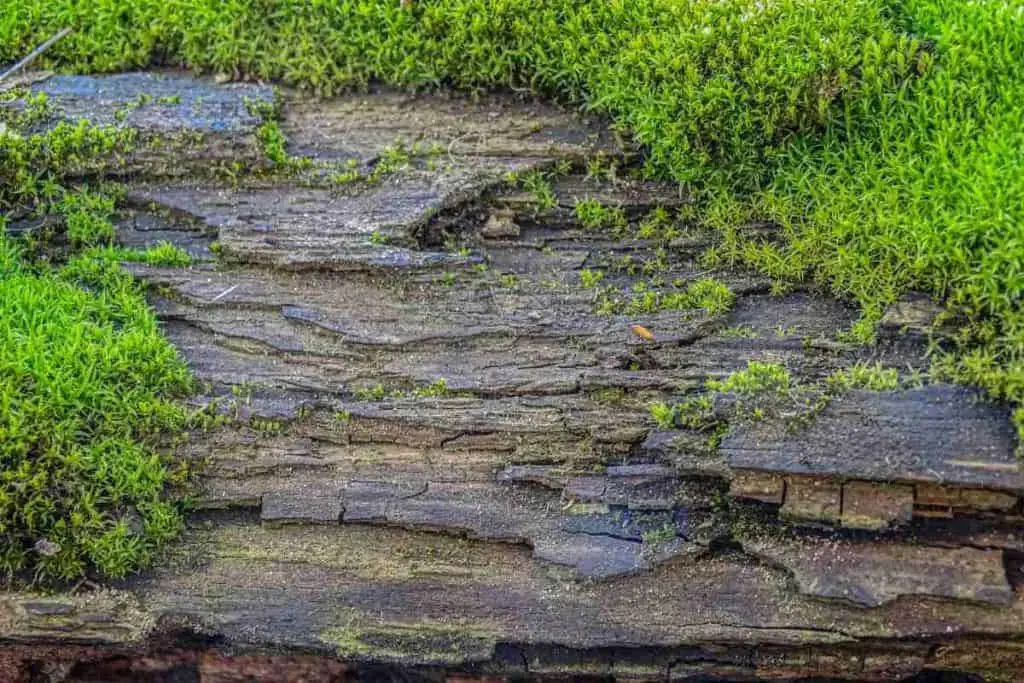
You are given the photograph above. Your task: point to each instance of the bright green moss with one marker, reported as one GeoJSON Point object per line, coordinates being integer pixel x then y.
{"type": "Point", "coordinates": [590, 279]}
{"type": "Point", "coordinates": [593, 215]}
{"type": "Point", "coordinates": [756, 378]}
{"type": "Point", "coordinates": [162, 254]}
{"type": "Point", "coordinates": [87, 382]}
{"type": "Point", "coordinates": [664, 415]}
{"type": "Point", "coordinates": [864, 376]}
{"type": "Point", "coordinates": [539, 186]}
{"type": "Point", "coordinates": [708, 294]}
{"type": "Point", "coordinates": [86, 389]}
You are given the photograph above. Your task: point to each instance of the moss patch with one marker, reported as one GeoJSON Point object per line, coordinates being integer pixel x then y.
{"type": "Point", "coordinates": [413, 643]}
{"type": "Point", "coordinates": [87, 382]}
{"type": "Point", "coordinates": [86, 388]}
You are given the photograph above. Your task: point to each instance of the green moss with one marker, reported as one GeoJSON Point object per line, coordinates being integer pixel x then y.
{"type": "Point", "coordinates": [421, 643]}
{"type": "Point", "coordinates": [393, 159]}
{"type": "Point", "coordinates": [608, 396]}
{"type": "Point", "coordinates": [659, 536]}
{"type": "Point", "coordinates": [272, 142]}
{"type": "Point", "coordinates": [696, 412]}
{"type": "Point", "coordinates": [756, 378]}
{"type": "Point", "coordinates": [1018, 421]}
{"type": "Point", "coordinates": [87, 382]}
{"type": "Point", "coordinates": [708, 294]}
{"type": "Point", "coordinates": [87, 386]}
{"type": "Point", "coordinates": [657, 226]}
{"type": "Point", "coordinates": [377, 392]}
{"type": "Point", "coordinates": [881, 136]}
{"type": "Point", "coordinates": [266, 427]}
{"type": "Point", "coordinates": [539, 185]}
{"type": "Point", "coordinates": [664, 415]}
{"type": "Point", "coordinates": [602, 168]}
{"type": "Point", "coordinates": [593, 215]}
{"type": "Point", "coordinates": [590, 279]}
{"type": "Point", "coordinates": [436, 389]}
{"type": "Point", "coordinates": [161, 254]}
{"type": "Point", "coordinates": [864, 376]}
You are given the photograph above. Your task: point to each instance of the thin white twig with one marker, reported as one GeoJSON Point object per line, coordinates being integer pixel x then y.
{"type": "Point", "coordinates": [31, 56]}
{"type": "Point", "coordinates": [224, 293]}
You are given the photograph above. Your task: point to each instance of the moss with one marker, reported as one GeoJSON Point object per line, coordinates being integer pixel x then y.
{"type": "Point", "coordinates": [593, 215]}
{"type": "Point", "coordinates": [878, 135]}
{"type": "Point", "coordinates": [1018, 421]}
{"type": "Point", "coordinates": [539, 185]}
{"type": "Point", "coordinates": [266, 427]}
{"type": "Point", "coordinates": [602, 168]}
{"type": "Point", "coordinates": [864, 376]}
{"type": "Point", "coordinates": [663, 414]}
{"type": "Point", "coordinates": [377, 392]}
{"type": "Point", "coordinates": [608, 396]}
{"type": "Point", "coordinates": [659, 536]}
{"type": "Point", "coordinates": [424, 643]}
{"type": "Point", "coordinates": [161, 254]}
{"type": "Point", "coordinates": [590, 279]}
{"type": "Point", "coordinates": [696, 412]}
{"type": "Point", "coordinates": [87, 384]}
{"type": "Point", "coordinates": [756, 378]}
{"type": "Point", "coordinates": [707, 294]}
{"type": "Point", "coordinates": [658, 226]}
{"type": "Point", "coordinates": [434, 390]}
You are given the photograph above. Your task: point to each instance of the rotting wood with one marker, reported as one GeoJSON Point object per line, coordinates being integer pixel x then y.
{"type": "Point", "coordinates": [528, 517]}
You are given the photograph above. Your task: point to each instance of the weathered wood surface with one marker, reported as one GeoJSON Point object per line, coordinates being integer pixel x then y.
{"type": "Point", "coordinates": [530, 519]}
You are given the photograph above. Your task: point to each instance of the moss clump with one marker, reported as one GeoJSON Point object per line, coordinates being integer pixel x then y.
{"type": "Point", "coordinates": [707, 294]}
{"type": "Point", "coordinates": [539, 185]}
{"type": "Point", "coordinates": [86, 389]}
{"type": "Point", "coordinates": [590, 279]}
{"type": "Point", "coordinates": [864, 376]}
{"type": "Point", "coordinates": [436, 389]}
{"type": "Point", "coordinates": [658, 226]}
{"type": "Point", "coordinates": [161, 254]}
{"type": "Point", "coordinates": [658, 537]}
{"type": "Point", "coordinates": [664, 415]}
{"type": "Point", "coordinates": [87, 382]}
{"type": "Point", "coordinates": [756, 378]}
{"type": "Point", "coordinates": [593, 215]}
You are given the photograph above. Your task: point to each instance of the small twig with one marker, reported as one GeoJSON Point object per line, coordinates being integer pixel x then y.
{"type": "Point", "coordinates": [31, 56]}
{"type": "Point", "coordinates": [224, 293]}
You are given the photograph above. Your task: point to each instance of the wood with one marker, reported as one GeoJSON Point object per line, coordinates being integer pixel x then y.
{"type": "Point", "coordinates": [529, 519]}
